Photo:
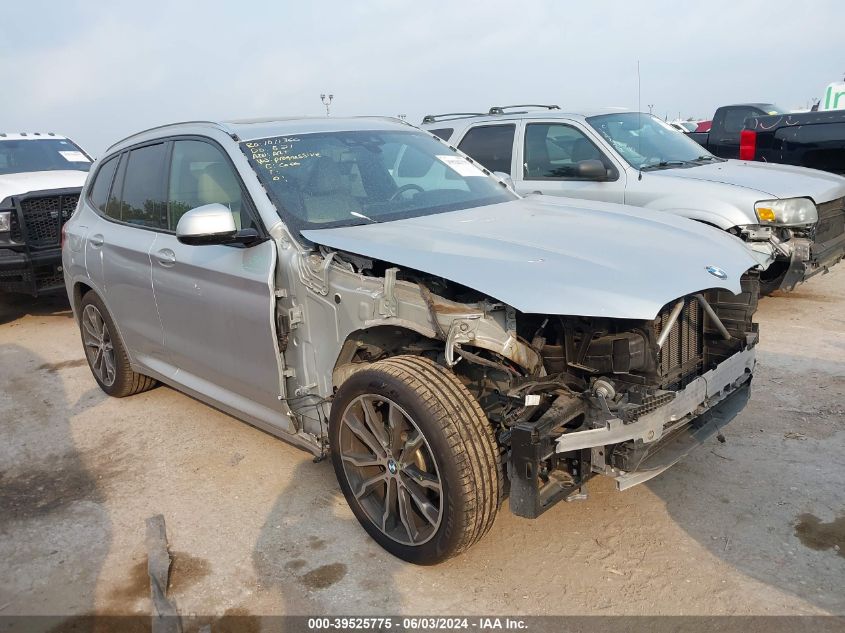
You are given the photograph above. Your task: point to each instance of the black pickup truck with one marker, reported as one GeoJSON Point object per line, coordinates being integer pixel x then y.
{"type": "Point", "coordinates": [763, 132]}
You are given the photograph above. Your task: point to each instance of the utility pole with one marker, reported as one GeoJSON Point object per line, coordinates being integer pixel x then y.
{"type": "Point", "coordinates": [401, 117]}
{"type": "Point", "coordinates": [327, 101]}
{"type": "Point", "coordinates": [651, 108]}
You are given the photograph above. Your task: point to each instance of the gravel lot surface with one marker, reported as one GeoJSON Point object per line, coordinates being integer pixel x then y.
{"type": "Point", "coordinates": [752, 526]}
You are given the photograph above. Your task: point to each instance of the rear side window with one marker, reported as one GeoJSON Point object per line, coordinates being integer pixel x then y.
{"type": "Point", "coordinates": [144, 197]}
{"type": "Point", "coordinates": [443, 132]}
{"type": "Point", "coordinates": [102, 184]}
{"type": "Point", "coordinates": [735, 119]}
{"type": "Point", "coordinates": [114, 207]}
{"type": "Point", "coordinates": [490, 145]}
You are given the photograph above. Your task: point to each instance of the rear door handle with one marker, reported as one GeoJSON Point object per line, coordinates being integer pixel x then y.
{"type": "Point", "coordinates": [166, 257]}
{"type": "Point", "coordinates": [97, 240]}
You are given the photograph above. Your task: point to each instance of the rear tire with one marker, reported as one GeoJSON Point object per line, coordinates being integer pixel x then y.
{"type": "Point", "coordinates": [105, 351]}
{"type": "Point", "coordinates": [416, 458]}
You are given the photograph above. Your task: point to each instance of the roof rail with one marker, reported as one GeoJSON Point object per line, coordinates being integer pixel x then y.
{"type": "Point", "coordinates": [501, 109]}
{"type": "Point", "coordinates": [433, 118]}
{"type": "Point", "coordinates": [220, 126]}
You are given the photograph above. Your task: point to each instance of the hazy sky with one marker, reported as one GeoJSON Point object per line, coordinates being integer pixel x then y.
{"type": "Point", "coordinates": [98, 71]}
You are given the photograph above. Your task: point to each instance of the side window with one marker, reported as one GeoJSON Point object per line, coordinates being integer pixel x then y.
{"type": "Point", "coordinates": [552, 150]}
{"type": "Point", "coordinates": [99, 195]}
{"type": "Point", "coordinates": [490, 145]}
{"type": "Point", "coordinates": [114, 207]}
{"type": "Point", "coordinates": [443, 132]}
{"type": "Point", "coordinates": [735, 118]}
{"type": "Point", "coordinates": [201, 174]}
{"type": "Point", "coordinates": [143, 197]}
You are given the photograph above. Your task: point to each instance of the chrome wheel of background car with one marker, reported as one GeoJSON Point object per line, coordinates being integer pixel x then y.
{"type": "Point", "coordinates": [391, 469]}
{"type": "Point", "coordinates": [98, 345]}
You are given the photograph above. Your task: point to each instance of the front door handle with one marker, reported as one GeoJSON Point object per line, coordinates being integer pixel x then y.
{"type": "Point", "coordinates": [166, 257]}
{"type": "Point", "coordinates": [97, 240]}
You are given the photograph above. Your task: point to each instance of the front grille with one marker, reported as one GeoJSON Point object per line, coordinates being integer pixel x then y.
{"type": "Point", "coordinates": [831, 222]}
{"type": "Point", "coordinates": [682, 355]}
{"type": "Point", "coordinates": [44, 217]}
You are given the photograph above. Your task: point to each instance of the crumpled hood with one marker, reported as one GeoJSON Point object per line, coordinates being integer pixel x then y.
{"type": "Point", "coordinates": [554, 256]}
{"type": "Point", "coordinates": [16, 184]}
{"type": "Point", "coordinates": [770, 179]}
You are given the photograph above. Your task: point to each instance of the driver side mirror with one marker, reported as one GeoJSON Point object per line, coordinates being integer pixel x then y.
{"type": "Point", "coordinates": [590, 170]}
{"type": "Point", "coordinates": [212, 224]}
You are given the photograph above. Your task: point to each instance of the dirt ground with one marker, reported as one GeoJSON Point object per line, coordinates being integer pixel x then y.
{"type": "Point", "coordinates": [752, 526]}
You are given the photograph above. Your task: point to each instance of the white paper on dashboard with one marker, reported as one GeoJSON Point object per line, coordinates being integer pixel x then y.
{"type": "Point", "coordinates": [75, 157]}
{"type": "Point", "coordinates": [460, 165]}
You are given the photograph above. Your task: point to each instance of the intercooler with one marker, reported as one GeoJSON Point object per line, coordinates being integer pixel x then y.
{"type": "Point", "coordinates": [695, 343]}
{"type": "Point", "coordinates": [682, 356]}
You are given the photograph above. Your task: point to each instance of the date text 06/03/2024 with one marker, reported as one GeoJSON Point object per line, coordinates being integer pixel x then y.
{"type": "Point", "coordinates": [417, 623]}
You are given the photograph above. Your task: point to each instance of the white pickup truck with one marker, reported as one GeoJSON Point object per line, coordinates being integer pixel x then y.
{"type": "Point", "coordinates": [792, 218]}
{"type": "Point", "coordinates": [41, 176]}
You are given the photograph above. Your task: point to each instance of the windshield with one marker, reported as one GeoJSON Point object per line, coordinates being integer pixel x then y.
{"type": "Point", "coordinates": [770, 109]}
{"type": "Point", "coordinates": [346, 178]}
{"type": "Point", "coordinates": [646, 142]}
{"type": "Point", "coordinates": [25, 155]}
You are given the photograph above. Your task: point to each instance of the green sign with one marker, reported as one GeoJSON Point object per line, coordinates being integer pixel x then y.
{"type": "Point", "coordinates": [834, 97]}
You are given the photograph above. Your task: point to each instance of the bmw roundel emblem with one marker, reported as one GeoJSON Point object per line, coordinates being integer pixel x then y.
{"type": "Point", "coordinates": [716, 272]}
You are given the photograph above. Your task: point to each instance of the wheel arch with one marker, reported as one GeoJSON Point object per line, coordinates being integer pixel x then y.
{"type": "Point", "coordinates": [391, 338]}
{"type": "Point", "coordinates": [79, 290]}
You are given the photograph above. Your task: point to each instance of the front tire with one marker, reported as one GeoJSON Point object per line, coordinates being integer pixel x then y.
{"type": "Point", "coordinates": [105, 351]}
{"type": "Point", "coordinates": [416, 458]}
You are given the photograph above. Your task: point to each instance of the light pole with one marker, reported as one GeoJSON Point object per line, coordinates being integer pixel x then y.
{"type": "Point", "coordinates": [327, 102]}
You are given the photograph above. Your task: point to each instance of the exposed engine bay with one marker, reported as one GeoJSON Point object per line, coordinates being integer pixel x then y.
{"type": "Point", "coordinates": [570, 396]}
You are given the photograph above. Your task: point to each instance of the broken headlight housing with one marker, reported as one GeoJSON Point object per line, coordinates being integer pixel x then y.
{"type": "Point", "coordinates": [788, 212]}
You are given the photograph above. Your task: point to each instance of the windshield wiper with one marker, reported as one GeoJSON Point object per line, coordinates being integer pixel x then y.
{"type": "Point", "coordinates": [664, 164]}
{"type": "Point", "coordinates": [708, 157]}
{"type": "Point", "coordinates": [363, 217]}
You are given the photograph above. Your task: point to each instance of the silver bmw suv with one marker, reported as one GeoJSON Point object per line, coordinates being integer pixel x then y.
{"type": "Point", "coordinates": [364, 291]}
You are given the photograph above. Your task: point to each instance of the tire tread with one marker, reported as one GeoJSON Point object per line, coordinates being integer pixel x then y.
{"type": "Point", "coordinates": [468, 433]}
{"type": "Point", "coordinates": [127, 382]}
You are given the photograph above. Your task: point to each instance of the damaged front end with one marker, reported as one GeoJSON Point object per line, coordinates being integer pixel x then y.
{"type": "Point", "coordinates": [569, 397]}
{"type": "Point", "coordinates": [790, 255]}
{"type": "Point", "coordinates": [816, 248]}
{"type": "Point", "coordinates": [618, 397]}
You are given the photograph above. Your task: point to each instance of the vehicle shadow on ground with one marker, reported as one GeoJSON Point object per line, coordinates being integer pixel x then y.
{"type": "Point", "coordinates": [15, 306]}
{"type": "Point", "coordinates": [313, 551]}
{"type": "Point", "coordinates": [55, 531]}
{"type": "Point", "coordinates": [769, 500]}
